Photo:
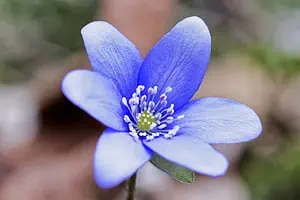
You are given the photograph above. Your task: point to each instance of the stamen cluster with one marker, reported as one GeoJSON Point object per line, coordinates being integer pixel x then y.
{"type": "Point", "coordinates": [148, 119]}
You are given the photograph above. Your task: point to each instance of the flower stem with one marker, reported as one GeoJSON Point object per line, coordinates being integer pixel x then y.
{"type": "Point", "coordinates": [131, 187]}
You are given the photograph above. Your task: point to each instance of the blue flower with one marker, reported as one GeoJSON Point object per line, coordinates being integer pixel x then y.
{"type": "Point", "coordinates": [146, 103]}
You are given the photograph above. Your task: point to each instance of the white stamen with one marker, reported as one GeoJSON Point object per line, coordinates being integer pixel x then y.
{"type": "Point", "coordinates": [156, 134]}
{"type": "Point", "coordinates": [131, 128]}
{"type": "Point", "coordinates": [155, 90]}
{"type": "Point", "coordinates": [124, 101]}
{"type": "Point", "coordinates": [163, 97]}
{"type": "Point", "coordinates": [162, 126]}
{"type": "Point", "coordinates": [144, 107]}
{"type": "Point", "coordinates": [151, 105]}
{"type": "Point", "coordinates": [153, 125]}
{"type": "Point", "coordinates": [144, 98]}
{"type": "Point", "coordinates": [132, 101]}
{"type": "Point", "coordinates": [134, 135]}
{"type": "Point", "coordinates": [168, 89]}
{"type": "Point", "coordinates": [157, 116]}
{"type": "Point", "coordinates": [170, 110]}
{"type": "Point", "coordinates": [167, 136]}
{"type": "Point", "coordinates": [139, 89]}
{"type": "Point", "coordinates": [179, 117]}
{"type": "Point", "coordinates": [170, 120]}
{"type": "Point", "coordinates": [149, 137]}
{"type": "Point", "coordinates": [164, 103]}
{"type": "Point", "coordinates": [127, 119]}
{"type": "Point", "coordinates": [147, 118]}
{"type": "Point", "coordinates": [134, 95]}
{"type": "Point", "coordinates": [150, 91]}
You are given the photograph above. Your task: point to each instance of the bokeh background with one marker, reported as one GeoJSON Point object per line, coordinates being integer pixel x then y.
{"type": "Point", "coordinates": [46, 143]}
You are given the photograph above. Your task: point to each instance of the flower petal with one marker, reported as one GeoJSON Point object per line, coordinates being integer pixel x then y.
{"type": "Point", "coordinates": [178, 60]}
{"type": "Point", "coordinates": [190, 152]}
{"type": "Point", "coordinates": [219, 120]}
{"type": "Point", "coordinates": [112, 55]}
{"type": "Point", "coordinates": [97, 95]}
{"type": "Point", "coordinates": [117, 157]}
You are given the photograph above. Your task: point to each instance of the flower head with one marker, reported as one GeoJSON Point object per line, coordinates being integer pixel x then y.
{"type": "Point", "coordinates": [146, 103]}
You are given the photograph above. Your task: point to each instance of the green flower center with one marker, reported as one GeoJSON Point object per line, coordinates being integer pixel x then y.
{"type": "Point", "coordinates": [145, 121]}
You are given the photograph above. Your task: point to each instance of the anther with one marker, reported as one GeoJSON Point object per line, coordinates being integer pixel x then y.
{"type": "Point", "coordinates": [127, 119]}
{"type": "Point", "coordinates": [134, 135]}
{"type": "Point", "coordinates": [156, 134]}
{"type": "Point", "coordinates": [131, 101]}
{"type": "Point", "coordinates": [168, 89]}
{"type": "Point", "coordinates": [153, 125]}
{"type": "Point", "coordinates": [134, 95]}
{"type": "Point", "coordinates": [179, 117]}
{"type": "Point", "coordinates": [124, 101]}
{"type": "Point", "coordinates": [162, 126]}
{"type": "Point", "coordinates": [131, 128]}
{"type": "Point", "coordinates": [154, 89]}
{"type": "Point", "coordinates": [139, 89]}
{"type": "Point", "coordinates": [144, 106]}
{"type": "Point", "coordinates": [149, 137]}
{"type": "Point", "coordinates": [170, 120]}
{"type": "Point", "coordinates": [151, 105]}
{"type": "Point", "coordinates": [163, 97]}
{"type": "Point", "coordinates": [143, 98]}
{"type": "Point", "coordinates": [167, 136]}
{"type": "Point", "coordinates": [157, 116]}
{"type": "Point", "coordinates": [164, 103]}
{"type": "Point", "coordinates": [150, 91]}
{"type": "Point", "coordinates": [170, 110]}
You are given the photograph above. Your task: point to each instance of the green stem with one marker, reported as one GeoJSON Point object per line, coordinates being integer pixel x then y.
{"type": "Point", "coordinates": [131, 187]}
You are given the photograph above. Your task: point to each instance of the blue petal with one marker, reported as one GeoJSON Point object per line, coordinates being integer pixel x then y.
{"type": "Point", "coordinates": [117, 157]}
{"type": "Point", "coordinates": [190, 152]}
{"type": "Point", "coordinates": [96, 95]}
{"type": "Point", "coordinates": [178, 60]}
{"type": "Point", "coordinates": [112, 55]}
{"type": "Point", "coordinates": [219, 120]}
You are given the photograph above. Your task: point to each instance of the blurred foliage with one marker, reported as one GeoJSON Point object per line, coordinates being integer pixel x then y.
{"type": "Point", "coordinates": [59, 20]}
{"type": "Point", "coordinates": [275, 61]}
{"type": "Point", "coordinates": [269, 4]}
{"type": "Point", "coordinates": [40, 31]}
{"type": "Point", "coordinates": [222, 43]}
{"type": "Point", "coordinates": [278, 4]}
{"type": "Point", "coordinates": [275, 177]}
{"type": "Point", "coordinates": [6, 72]}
